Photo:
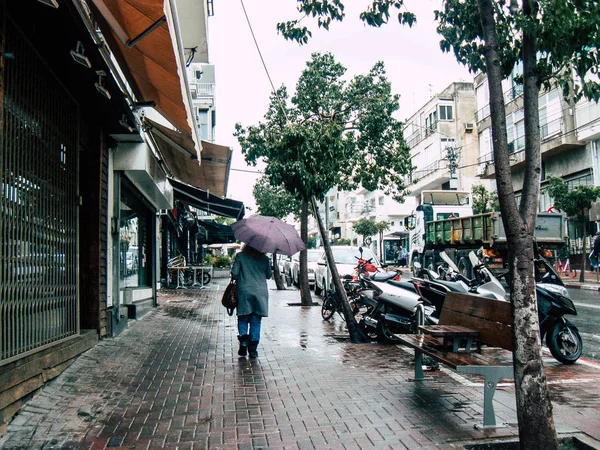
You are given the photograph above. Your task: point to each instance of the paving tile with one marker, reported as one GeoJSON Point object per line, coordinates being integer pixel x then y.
{"type": "Point", "coordinates": [173, 380]}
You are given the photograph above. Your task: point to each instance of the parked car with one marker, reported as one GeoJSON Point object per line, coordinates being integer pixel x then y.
{"type": "Point", "coordinates": [285, 265]}
{"type": "Point", "coordinates": [312, 256]}
{"type": "Point", "coordinates": [345, 258]}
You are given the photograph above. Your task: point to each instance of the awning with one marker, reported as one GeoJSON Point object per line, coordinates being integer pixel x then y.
{"type": "Point", "coordinates": [142, 36]}
{"type": "Point", "coordinates": [212, 174]}
{"type": "Point", "coordinates": [205, 201]}
{"type": "Point", "coordinates": [217, 233]}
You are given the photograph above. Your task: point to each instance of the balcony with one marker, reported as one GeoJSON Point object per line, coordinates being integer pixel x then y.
{"type": "Point", "coordinates": [555, 139]}
{"type": "Point", "coordinates": [430, 177]}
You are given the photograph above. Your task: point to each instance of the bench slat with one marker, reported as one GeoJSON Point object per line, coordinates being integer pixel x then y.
{"type": "Point", "coordinates": [473, 305]}
{"type": "Point", "coordinates": [448, 330]}
{"type": "Point", "coordinates": [492, 333]}
{"type": "Point", "coordinates": [497, 357]}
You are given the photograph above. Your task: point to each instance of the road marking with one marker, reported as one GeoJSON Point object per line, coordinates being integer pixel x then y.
{"type": "Point", "coordinates": [586, 305]}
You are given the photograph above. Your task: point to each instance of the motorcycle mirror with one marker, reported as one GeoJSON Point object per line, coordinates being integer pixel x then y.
{"type": "Point", "coordinates": [360, 250]}
{"type": "Point", "coordinates": [473, 259]}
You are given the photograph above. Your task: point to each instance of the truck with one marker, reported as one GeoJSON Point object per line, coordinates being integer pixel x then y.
{"type": "Point", "coordinates": [444, 221]}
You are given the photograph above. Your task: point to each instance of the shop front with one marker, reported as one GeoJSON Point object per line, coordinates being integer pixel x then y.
{"type": "Point", "coordinates": [139, 190]}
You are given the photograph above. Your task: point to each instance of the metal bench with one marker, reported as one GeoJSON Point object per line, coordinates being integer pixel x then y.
{"type": "Point", "coordinates": [465, 318]}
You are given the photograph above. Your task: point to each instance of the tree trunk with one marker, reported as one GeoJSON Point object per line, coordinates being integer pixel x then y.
{"type": "Point", "coordinates": [277, 274]}
{"type": "Point", "coordinates": [534, 409]}
{"type": "Point", "coordinates": [584, 258]}
{"type": "Point", "coordinates": [381, 258]}
{"type": "Point", "coordinates": [356, 335]}
{"type": "Point", "coordinates": [305, 295]}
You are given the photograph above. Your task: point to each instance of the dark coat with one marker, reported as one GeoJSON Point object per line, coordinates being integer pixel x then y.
{"type": "Point", "coordinates": [252, 275]}
{"type": "Point", "coordinates": [597, 246]}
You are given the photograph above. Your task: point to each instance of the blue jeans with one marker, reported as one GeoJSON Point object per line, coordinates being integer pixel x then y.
{"type": "Point", "coordinates": [252, 320]}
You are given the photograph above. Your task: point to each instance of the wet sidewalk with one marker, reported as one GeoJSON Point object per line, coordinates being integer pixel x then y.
{"type": "Point", "coordinates": [174, 380]}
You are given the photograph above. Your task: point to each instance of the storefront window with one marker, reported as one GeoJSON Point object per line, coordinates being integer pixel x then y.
{"type": "Point", "coordinates": [135, 253]}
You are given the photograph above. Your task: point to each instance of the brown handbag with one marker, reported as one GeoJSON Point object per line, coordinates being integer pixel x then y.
{"type": "Point", "coordinates": [229, 299]}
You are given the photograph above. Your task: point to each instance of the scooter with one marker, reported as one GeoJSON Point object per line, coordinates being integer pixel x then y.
{"type": "Point", "coordinates": [395, 307]}
{"type": "Point", "coordinates": [434, 288]}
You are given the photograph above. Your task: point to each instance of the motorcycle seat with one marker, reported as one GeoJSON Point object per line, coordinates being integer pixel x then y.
{"type": "Point", "coordinates": [453, 286]}
{"type": "Point", "coordinates": [403, 284]}
{"type": "Point", "coordinates": [383, 276]}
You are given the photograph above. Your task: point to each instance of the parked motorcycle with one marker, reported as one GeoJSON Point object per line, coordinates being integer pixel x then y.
{"type": "Point", "coordinates": [394, 307]}
{"type": "Point", "coordinates": [434, 286]}
{"type": "Point", "coordinates": [562, 337]}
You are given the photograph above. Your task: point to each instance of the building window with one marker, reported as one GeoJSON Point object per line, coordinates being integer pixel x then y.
{"type": "Point", "coordinates": [194, 94]}
{"type": "Point", "coordinates": [381, 200]}
{"type": "Point", "coordinates": [515, 127]}
{"type": "Point", "coordinates": [446, 112]}
{"type": "Point", "coordinates": [550, 113]}
{"type": "Point", "coordinates": [203, 124]}
{"type": "Point", "coordinates": [135, 247]}
{"type": "Point", "coordinates": [431, 123]}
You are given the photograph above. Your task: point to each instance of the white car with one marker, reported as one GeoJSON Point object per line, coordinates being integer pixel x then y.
{"type": "Point", "coordinates": [285, 265]}
{"type": "Point", "coordinates": [312, 256]}
{"type": "Point", "coordinates": [345, 258]}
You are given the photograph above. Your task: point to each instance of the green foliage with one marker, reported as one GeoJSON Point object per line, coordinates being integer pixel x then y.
{"type": "Point", "coordinates": [484, 200]}
{"type": "Point", "coordinates": [567, 33]}
{"type": "Point", "coordinates": [342, 241]}
{"type": "Point", "coordinates": [312, 242]}
{"type": "Point", "coordinates": [382, 226]}
{"type": "Point", "coordinates": [221, 262]}
{"type": "Point", "coordinates": [326, 11]}
{"type": "Point", "coordinates": [274, 200]}
{"type": "Point", "coordinates": [365, 227]}
{"type": "Point", "coordinates": [573, 202]}
{"type": "Point", "coordinates": [208, 259]}
{"type": "Point", "coordinates": [331, 133]}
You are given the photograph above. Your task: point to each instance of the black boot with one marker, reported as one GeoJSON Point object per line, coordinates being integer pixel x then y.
{"type": "Point", "coordinates": [244, 339]}
{"type": "Point", "coordinates": [252, 349]}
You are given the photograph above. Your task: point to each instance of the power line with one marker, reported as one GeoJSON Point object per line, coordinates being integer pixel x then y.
{"type": "Point", "coordinates": [248, 171]}
{"type": "Point", "coordinates": [257, 47]}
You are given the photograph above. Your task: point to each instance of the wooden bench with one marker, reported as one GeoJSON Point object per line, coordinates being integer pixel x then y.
{"type": "Point", "coordinates": [465, 318]}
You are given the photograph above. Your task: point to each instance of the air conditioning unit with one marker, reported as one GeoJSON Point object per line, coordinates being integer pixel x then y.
{"type": "Point", "coordinates": [469, 127]}
{"type": "Point", "coordinates": [480, 170]}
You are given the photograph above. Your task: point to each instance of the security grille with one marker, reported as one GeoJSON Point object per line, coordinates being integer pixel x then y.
{"type": "Point", "coordinates": [38, 205]}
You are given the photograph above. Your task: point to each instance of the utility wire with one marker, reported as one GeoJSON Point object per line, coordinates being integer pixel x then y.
{"type": "Point", "coordinates": [257, 47]}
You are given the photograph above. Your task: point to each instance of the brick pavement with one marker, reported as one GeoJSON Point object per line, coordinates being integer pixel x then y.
{"type": "Point", "coordinates": [173, 380]}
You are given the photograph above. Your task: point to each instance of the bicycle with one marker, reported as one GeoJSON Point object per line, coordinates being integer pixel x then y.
{"type": "Point", "coordinates": [564, 268]}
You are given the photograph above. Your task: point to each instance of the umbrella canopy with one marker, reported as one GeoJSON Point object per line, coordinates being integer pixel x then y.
{"type": "Point", "coordinates": [268, 235]}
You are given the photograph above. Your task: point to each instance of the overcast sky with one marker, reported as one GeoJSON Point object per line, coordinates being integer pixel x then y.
{"type": "Point", "coordinates": [414, 62]}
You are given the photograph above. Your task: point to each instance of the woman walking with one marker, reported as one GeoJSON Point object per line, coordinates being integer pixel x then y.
{"type": "Point", "coordinates": [251, 269]}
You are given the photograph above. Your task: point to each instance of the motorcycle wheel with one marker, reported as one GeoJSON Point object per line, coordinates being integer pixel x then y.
{"type": "Point", "coordinates": [565, 347]}
{"type": "Point", "coordinates": [206, 278]}
{"type": "Point", "coordinates": [384, 334]}
{"type": "Point", "coordinates": [328, 309]}
{"type": "Point", "coordinates": [368, 331]}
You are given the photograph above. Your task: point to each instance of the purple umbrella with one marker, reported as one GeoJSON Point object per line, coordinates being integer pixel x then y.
{"type": "Point", "coordinates": [268, 235]}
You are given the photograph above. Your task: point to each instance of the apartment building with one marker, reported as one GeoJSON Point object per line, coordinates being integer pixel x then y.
{"type": "Point", "coordinates": [442, 136]}
{"type": "Point", "coordinates": [570, 137]}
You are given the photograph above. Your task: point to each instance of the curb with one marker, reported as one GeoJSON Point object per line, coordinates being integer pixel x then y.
{"type": "Point", "coordinates": [587, 287]}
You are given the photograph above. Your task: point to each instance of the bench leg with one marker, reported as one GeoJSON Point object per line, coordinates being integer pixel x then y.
{"type": "Point", "coordinates": [419, 374]}
{"type": "Point", "coordinates": [492, 375]}
{"type": "Point", "coordinates": [489, 389]}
